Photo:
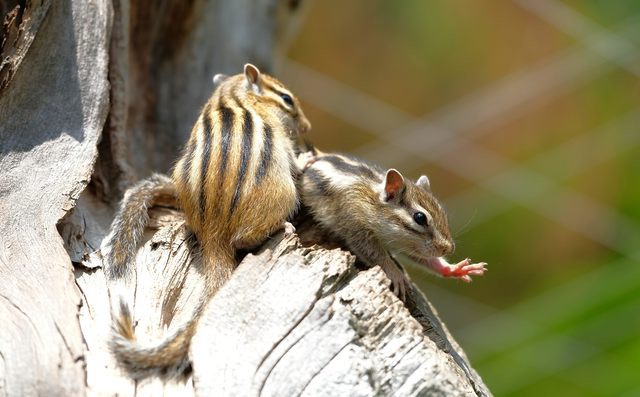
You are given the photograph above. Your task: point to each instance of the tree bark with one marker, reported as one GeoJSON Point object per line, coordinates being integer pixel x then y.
{"type": "Point", "coordinates": [97, 94]}
{"type": "Point", "coordinates": [54, 98]}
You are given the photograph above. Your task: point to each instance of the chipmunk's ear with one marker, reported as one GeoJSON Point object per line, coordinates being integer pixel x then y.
{"type": "Point", "coordinates": [393, 185]}
{"type": "Point", "coordinates": [423, 182]}
{"type": "Point", "coordinates": [252, 74]}
{"type": "Point", "coordinates": [219, 78]}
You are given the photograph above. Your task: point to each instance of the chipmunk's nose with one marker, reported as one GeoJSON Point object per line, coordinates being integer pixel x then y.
{"type": "Point", "coordinates": [304, 124]}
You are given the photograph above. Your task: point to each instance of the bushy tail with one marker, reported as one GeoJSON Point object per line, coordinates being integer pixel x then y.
{"type": "Point", "coordinates": [128, 226]}
{"type": "Point", "coordinates": [167, 358]}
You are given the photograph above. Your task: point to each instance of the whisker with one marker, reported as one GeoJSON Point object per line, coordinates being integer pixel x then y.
{"type": "Point", "coordinates": [465, 226]}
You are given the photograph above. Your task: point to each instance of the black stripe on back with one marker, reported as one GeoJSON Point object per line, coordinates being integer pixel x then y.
{"type": "Point", "coordinates": [265, 159]}
{"type": "Point", "coordinates": [342, 165]}
{"type": "Point", "coordinates": [206, 154]}
{"type": "Point", "coordinates": [247, 137]}
{"type": "Point", "coordinates": [225, 134]}
{"type": "Point", "coordinates": [235, 99]}
{"type": "Point", "coordinates": [319, 181]}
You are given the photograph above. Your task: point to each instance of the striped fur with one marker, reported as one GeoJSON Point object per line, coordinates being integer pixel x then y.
{"type": "Point", "coordinates": [239, 177]}
{"type": "Point", "coordinates": [347, 197]}
{"type": "Point", "coordinates": [235, 182]}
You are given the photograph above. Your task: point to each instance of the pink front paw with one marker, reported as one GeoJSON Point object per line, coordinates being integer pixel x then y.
{"type": "Point", "coordinates": [464, 270]}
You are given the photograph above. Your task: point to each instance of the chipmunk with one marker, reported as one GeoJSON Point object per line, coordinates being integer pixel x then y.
{"type": "Point", "coordinates": [378, 212]}
{"type": "Point", "coordinates": [235, 182]}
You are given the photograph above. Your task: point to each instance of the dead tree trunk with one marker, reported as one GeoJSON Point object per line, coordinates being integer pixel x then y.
{"type": "Point", "coordinates": [97, 94]}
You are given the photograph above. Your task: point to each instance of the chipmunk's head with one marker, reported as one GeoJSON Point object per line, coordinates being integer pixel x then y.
{"type": "Point", "coordinates": [418, 225]}
{"type": "Point", "coordinates": [265, 94]}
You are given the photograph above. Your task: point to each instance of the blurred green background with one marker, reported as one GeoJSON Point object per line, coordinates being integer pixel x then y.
{"type": "Point", "coordinates": [525, 115]}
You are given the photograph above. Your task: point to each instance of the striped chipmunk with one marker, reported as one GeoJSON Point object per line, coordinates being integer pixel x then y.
{"type": "Point", "coordinates": [376, 212]}
{"type": "Point", "coordinates": [235, 182]}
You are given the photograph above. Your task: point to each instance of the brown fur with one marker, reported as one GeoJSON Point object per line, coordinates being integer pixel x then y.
{"type": "Point", "coordinates": [235, 183]}
{"type": "Point", "coordinates": [371, 211]}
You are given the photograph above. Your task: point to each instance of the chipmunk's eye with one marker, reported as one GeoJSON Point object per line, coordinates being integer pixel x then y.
{"type": "Point", "coordinates": [286, 98]}
{"type": "Point", "coordinates": [420, 218]}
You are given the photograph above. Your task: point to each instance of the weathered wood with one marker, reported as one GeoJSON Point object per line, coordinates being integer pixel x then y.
{"type": "Point", "coordinates": [167, 286]}
{"type": "Point", "coordinates": [53, 105]}
{"type": "Point", "coordinates": [298, 320]}
{"type": "Point", "coordinates": [19, 28]}
{"type": "Point", "coordinates": [293, 319]}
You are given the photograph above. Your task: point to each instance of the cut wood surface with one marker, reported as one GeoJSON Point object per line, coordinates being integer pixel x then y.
{"type": "Point", "coordinates": [97, 94]}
